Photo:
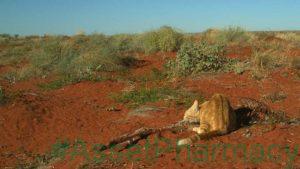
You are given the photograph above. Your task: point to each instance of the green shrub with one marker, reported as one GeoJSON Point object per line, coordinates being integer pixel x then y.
{"type": "Point", "coordinates": [165, 39]}
{"type": "Point", "coordinates": [289, 36]}
{"type": "Point", "coordinates": [232, 34]}
{"type": "Point", "coordinates": [268, 60]}
{"type": "Point", "coordinates": [50, 56]}
{"type": "Point", "coordinates": [198, 57]}
{"type": "Point", "coordinates": [125, 43]}
{"type": "Point", "coordinates": [210, 35]}
{"type": "Point", "coordinates": [59, 149]}
{"type": "Point", "coordinates": [77, 58]}
{"type": "Point", "coordinates": [149, 42]}
{"type": "Point", "coordinates": [169, 39]}
{"type": "Point", "coordinates": [264, 61]}
{"type": "Point", "coordinates": [13, 55]}
{"type": "Point", "coordinates": [240, 67]}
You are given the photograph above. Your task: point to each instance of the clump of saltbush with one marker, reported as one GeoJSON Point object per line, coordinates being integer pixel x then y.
{"type": "Point", "coordinates": [233, 34]}
{"type": "Point", "coordinates": [165, 39]}
{"type": "Point", "coordinates": [194, 58]}
{"type": "Point", "coordinates": [125, 43]}
{"type": "Point", "coordinates": [79, 57]}
{"type": "Point", "coordinates": [229, 35]}
{"type": "Point", "coordinates": [264, 61]}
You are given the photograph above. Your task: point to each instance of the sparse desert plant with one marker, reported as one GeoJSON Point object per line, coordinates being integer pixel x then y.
{"type": "Point", "coordinates": [125, 43]}
{"type": "Point", "coordinates": [51, 57]}
{"type": "Point", "coordinates": [164, 39]}
{"type": "Point", "coordinates": [169, 39]}
{"type": "Point", "coordinates": [232, 34]}
{"type": "Point", "coordinates": [149, 42]}
{"type": "Point", "coordinates": [77, 58]}
{"type": "Point", "coordinates": [59, 149]}
{"type": "Point", "coordinates": [210, 35]}
{"type": "Point", "coordinates": [263, 62]}
{"type": "Point", "coordinates": [275, 96]}
{"type": "Point", "coordinates": [289, 36]}
{"type": "Point", "coordinates": [241, 67]}
{"type": "Point", "coordinates": [268, 60]}
{"type": "Point", "coordinates": [13, 55]}
{"type": "Point", "coordinates": [263, 35]}
{"type": "Point", "coordinates": [198, 57]}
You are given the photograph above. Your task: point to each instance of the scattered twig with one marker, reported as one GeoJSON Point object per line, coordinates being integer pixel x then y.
{"type": "Point", "coordinates": [124, 141]}
{"type": "Point", "coordinates": [129, 139]}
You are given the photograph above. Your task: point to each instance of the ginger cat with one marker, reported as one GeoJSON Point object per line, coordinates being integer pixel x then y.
{"type": "Point", "coordinates": [216, 118]}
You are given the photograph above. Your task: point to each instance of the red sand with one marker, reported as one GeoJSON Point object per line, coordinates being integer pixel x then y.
{"type": "Point", "coordinates": [32, 123]}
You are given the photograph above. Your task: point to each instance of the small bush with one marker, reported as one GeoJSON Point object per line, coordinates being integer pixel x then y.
{"type": "Point", "coordinates": [241, 67]}
{"type": "Point", "coordinates": [262, 62]}
{"type": "Point", "coordinates": [232, 34]}
{"type": "Point", "coordinates": [59, 149]}
{"type": "Point", "coordinates": [276, 96]}
{"type": "Point", "coordinates": [210, 35]}
{"type": "Point", "coordinates": [149, 42]}
{"type": "Point", "coordinates": [289, 36]}
{"type": "Point", "coordinates": [198, 57]}
{"type": "Point", "coordinates": [169, 40]}
{"type": "Point", "coordinates": [13, 55]}
{"type": "Point", "coordinates": [125, 43]}
{"type": "Point", "coordinates": [165, 39]}
{"type": "Point", "coordinates": [77, 58]}
{"type": "Point", "coordinates": [263, 35]}
{"type": "Point", "coordinates": [268, 60]}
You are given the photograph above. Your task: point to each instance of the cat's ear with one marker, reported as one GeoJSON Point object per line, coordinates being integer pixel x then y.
{"type": "Point", "coordinates": [195, 106]}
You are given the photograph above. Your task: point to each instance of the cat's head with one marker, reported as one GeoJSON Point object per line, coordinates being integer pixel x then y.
{"type": "Point", "coordinates": [193, 112]}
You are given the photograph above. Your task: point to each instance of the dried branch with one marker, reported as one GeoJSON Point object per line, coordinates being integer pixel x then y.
{"type": "Point", "coordinates": [129, 139]}
{"type": "Point", "coordinates": [124, 141]}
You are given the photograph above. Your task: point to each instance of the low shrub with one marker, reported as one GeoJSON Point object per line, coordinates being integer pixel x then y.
{"type": "Point", "coordinates": [268, 60]}
{"type": "Point", "coordinates": [264, 61]}
{"type": "Point", "coordinates": [125, 43]}
{"type": "Point", "coordinates": [232, 35]}
{"type": "Point", "coordinates": [289, 36]}
{"type": "Point", "coordinates": [149, 42]}
{"type": "Point", "coordinates": [169, 39]}
{"type": "Point", "coordinates": [77, 58]}
{"type": "Point", "coordinates": [198, 57]}
{"type": "Point", "coordinates": [165, 39]}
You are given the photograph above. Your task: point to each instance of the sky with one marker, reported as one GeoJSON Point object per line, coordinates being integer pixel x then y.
{"type": "Point", "coordinates": [38, 17]}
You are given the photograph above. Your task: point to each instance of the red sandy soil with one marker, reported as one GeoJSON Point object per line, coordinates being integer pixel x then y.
{"type": "Point", "coordinates": [31, 123]}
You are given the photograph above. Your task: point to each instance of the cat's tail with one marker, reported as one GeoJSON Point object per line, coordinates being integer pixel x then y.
{"type": "Point", "coordinates": [194, 138]}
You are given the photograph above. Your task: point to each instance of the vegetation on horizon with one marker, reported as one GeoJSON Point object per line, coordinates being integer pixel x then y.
{"type": "Point", "coordinates": [86, 57]}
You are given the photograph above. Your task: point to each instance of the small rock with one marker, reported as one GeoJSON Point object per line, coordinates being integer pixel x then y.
{"type": "Point", "coordinates": [113, 109]}
{"type": "Point", "coordinates": [247, 133]}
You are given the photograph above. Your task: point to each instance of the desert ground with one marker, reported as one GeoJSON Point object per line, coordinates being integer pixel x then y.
{"type": "Point", "coordinates": [63, 96]}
